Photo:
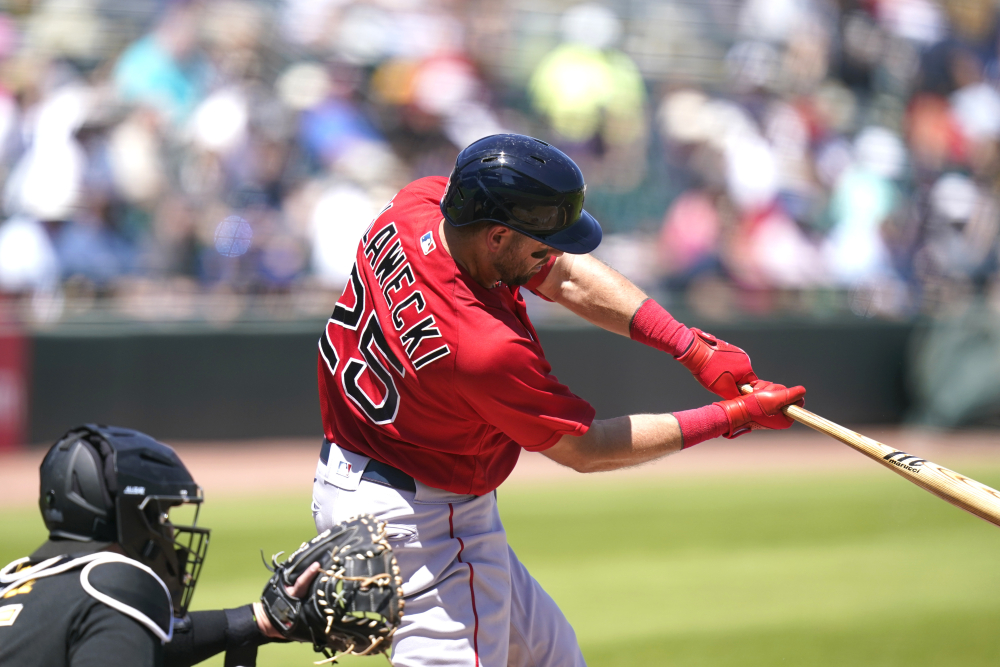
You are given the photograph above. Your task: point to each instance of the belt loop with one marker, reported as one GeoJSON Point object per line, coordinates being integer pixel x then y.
{"type": "Point", "coordinates": [324, 452]}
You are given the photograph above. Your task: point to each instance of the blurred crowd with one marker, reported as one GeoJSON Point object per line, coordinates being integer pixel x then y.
{"type": "Point", "coordinates": [174, 159]}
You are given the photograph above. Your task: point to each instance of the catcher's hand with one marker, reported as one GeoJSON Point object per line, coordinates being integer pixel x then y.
{"type": "Point", "coordinates": [356, 601]}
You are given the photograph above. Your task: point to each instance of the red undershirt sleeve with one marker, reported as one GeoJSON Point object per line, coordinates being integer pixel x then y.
{"type": "Point", "coordinates": [539, 278]}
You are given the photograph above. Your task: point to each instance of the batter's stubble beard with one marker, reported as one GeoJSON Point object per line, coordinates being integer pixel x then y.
{"type": "Point", "coordinates": [510, 263]}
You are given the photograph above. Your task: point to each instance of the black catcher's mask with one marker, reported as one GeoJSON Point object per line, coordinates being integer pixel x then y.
{"type": "Point", "coordinates": [105, 484]}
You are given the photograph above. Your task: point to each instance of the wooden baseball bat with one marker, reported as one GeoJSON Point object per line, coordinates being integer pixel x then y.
{"type": "Point", "coordinates": [948, 485]}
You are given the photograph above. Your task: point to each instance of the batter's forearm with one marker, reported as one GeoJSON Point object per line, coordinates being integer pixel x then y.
{"type": "Point", "coordinates": [594, 291]}
{"type": "Point", "coordinates": [622, 442]}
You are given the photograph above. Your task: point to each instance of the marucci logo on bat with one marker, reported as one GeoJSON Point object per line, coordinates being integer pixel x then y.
{"type": "Point", "coordinates": [905, 461]}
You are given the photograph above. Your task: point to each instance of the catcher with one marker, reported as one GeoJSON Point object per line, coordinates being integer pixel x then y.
{"type": "Point", "coordinates": [112, 585]}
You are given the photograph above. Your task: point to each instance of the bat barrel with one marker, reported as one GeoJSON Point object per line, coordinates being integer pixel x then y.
{"type": "Point", "coordinates": [955, 488]}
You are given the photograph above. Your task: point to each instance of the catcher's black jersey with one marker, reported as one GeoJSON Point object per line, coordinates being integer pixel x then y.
{"type": "Point", "coordinates": [54, 621]}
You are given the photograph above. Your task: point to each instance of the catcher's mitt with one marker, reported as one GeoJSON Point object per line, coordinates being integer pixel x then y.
{"type": "Point", "coordinates": [355, 603]}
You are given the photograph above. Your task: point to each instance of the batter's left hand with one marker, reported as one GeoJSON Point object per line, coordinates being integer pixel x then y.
{"type": "Point", "coordinates": [716, 365]}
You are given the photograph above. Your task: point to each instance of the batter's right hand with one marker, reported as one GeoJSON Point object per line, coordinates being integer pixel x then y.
{"type": "Point", "coordinates": [762, 408]}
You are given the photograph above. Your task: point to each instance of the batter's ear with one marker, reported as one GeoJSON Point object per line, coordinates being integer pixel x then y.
{"type": "Point", "coordinates": [497, 235]}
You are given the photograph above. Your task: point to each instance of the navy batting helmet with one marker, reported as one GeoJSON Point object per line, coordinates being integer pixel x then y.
{"type": "Point", "coordinates": [103, 485]}
{"type": "Point", "coordinates": [525, 184]}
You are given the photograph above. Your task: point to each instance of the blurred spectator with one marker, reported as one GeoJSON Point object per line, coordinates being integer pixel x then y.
{"type": "Point", "coordinates": [797, 146]}
{"type": "Point", "coordinates": [164, 70]}
{"type": "Point", "coordinates": [338, 221]}
{"type": "Point", "coordinates": [863, 198]}
{"type": "Point", "coordinates": [584, 87]}
{"type": "Point", "coordinates": [689, 239]}
{"type": "Point", "coordinates": [46, 180]}
{"type": "Point", "coordinates": [88, 249]}
{"type": "Point", "coordinates": [28, 262]}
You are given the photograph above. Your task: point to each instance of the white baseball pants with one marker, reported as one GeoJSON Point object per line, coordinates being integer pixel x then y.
{"type": "Point", "coordinates": [469, 601]}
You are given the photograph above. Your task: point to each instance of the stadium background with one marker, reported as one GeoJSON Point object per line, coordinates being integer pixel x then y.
{"type": "Point", "coordinates": [183, 185]}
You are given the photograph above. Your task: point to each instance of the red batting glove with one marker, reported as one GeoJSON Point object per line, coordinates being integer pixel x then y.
{"type": "Point", "coordinates": [762, 408]}
{"type": "Point", "coordinates": [717, 366]}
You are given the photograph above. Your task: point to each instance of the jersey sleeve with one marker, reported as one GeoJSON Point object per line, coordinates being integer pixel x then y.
{"type": "Point", "coordinates": [512, 388]}
{"type": "Point", "coordinates": [104, 637]}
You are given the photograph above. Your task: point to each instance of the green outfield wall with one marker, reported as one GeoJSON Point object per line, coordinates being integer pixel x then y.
{"type": "Point", "coordinates": [196, 382]}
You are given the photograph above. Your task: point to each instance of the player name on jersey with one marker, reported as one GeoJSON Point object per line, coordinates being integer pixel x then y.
{"type": "Point", "coordinates": [386, 258]}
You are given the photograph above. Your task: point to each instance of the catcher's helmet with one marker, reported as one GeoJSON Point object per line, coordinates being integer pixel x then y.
{"type": "Point", "coordinates": [105, 484]}
{"type": "Point", "coordinates": [525, 184]}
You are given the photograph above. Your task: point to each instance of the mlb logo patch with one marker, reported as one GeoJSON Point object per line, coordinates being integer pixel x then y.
{"type": "Point", "coordinates": [344, 469]}
{"type": "Point", "coordinates": [427, 243]}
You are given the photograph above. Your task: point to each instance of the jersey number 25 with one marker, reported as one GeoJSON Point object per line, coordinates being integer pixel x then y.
{"type": "Point", "coordinates": [372, 338]}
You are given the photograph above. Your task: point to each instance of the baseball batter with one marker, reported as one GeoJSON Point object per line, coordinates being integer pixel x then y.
{"type": "Point", "coordinates": [432, 379]}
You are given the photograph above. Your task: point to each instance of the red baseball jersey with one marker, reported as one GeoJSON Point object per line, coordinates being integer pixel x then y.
{"type": "Point", "coordinates": [424, 369]}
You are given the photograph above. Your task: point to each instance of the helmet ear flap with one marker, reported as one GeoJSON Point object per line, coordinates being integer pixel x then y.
{"type": "Point", "coordinates": [75, 501]}
{"type": "Point", "coordinates": [86, 484]}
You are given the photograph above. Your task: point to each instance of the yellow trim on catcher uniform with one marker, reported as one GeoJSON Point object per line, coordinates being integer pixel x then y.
{"type": "Point", "coordinates": [23, 589]}
{"type": "Point", "coordinates": [8, 613]}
